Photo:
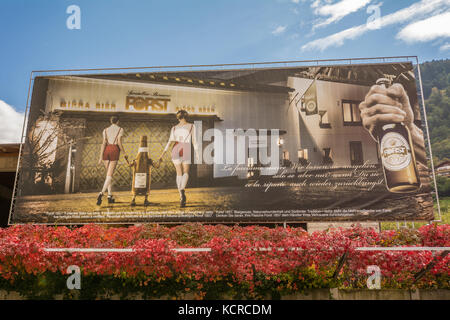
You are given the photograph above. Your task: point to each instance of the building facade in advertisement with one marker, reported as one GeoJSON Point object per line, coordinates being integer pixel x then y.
{"type": "Point", "coordinates": [320, 143]}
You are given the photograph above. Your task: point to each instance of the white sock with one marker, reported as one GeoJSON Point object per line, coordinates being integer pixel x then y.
{"type": "Point", "coordinates": [184, 181]}
{"type": "Point", "coordinates": [110, 187]}
{"type": "Point", "coordinates": [107, 182]}
{"type": "Point", "coordinates": [179, 182]}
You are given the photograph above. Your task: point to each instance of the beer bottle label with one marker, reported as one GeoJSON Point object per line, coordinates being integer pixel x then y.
{"type": "Point", "coordinates": [140, 180]}
{"type": "Point", "coordinates": [395, 151]}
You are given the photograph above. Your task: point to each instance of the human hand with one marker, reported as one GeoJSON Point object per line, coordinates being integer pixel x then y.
{"type": "Point", "coordinates": [386, 105]}
{"type": "Point", "coordinates": [391, 105]}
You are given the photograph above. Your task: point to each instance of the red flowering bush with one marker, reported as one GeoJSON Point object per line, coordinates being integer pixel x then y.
{"type": "Point", "coordinates": [243, 262]}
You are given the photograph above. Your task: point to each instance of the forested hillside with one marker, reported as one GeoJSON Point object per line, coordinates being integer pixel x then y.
{"type": "Point", "coordinates": [436, 87]}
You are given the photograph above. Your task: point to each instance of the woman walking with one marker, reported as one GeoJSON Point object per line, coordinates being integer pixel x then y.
{"type": "Point", "coordinates": [109, 155]}
{"type": "Point", "coordinates": [181, 137]}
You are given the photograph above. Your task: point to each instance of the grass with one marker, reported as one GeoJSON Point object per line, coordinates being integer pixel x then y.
{"type": "Point", "coordinates": [445, 214]}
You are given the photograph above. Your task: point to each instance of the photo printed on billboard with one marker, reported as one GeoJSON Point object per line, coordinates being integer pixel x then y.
{"type": "Point", "coordinates": [297, 144]}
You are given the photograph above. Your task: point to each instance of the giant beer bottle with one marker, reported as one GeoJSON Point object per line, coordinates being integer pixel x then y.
{"type": "Point", "coordinates": [397, 155]}
{"type": "Point", "coordinates": [141, 177]}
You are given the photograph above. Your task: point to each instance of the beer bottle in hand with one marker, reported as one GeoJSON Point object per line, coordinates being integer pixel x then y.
{"type": "Point", "coordinates": [397, 155]}
{"type": "Point", "coordinates": [141, 177]}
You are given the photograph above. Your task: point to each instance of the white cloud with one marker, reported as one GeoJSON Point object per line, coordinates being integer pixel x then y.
{"type": "Point", "coordinates": [417, 10]}
{"type": "Point", "coordinates": [445, 47]}
{"type": "Point", "coordinates": [11, 123]}
{"type": "Point", "coordinates": [318, 3]}
{"type": "Point", "coordinates": [336, 11]}
{"type": "Point", "coordinates": [428, 29]}
{"type": "Point", "coordinates": [279, 30]}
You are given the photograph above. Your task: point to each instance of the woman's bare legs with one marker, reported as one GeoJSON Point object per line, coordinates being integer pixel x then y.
{"type": "Point", "coordinates": [179, 168]}
{"type": "Point", "coordinates": [107, 180]}
{"type": "Point", "coordinates": [111, 168]}
{"type": "Point", "coordinates": [110, 172]}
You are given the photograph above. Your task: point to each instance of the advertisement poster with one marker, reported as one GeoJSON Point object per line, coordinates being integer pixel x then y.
{"type": "Point", "coordinates": [293, 144]}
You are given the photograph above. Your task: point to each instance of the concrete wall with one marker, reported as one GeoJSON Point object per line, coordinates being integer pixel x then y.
{"type": "Point", "coordinates": [314, 294]}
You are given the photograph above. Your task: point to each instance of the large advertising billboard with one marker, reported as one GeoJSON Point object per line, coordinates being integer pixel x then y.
{"type": "Point", "coordinates": [292, 144]}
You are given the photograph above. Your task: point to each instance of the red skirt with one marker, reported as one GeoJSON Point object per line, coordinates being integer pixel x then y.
{"type": "Point", "coordinates": [111, 152]}
{"type": "Point", "coordinates": [181, 151]}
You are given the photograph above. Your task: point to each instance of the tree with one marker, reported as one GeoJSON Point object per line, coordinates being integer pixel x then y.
{"type": "Point", "coordinates": [43, 159]}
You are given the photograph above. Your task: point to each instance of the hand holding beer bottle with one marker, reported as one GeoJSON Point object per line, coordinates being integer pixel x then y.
{"type": "Point", "coordinates": [387, 114]}
{"type": "Point", "coordinates": [390, 104]}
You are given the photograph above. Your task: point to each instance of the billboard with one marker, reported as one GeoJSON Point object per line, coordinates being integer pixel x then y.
{"type": "Point", "coordinates": [291, 144]}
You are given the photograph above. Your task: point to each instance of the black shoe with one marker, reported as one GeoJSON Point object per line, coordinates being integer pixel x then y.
{"type": "Point", "coordinates": [183, 199]}
{"type": "Point", "coordinates": [99, 199]}
{"type": "Point", "coordinates": [111, 199]}
{"type": "Point", "coordinates": [146, 203]}
{"type": "Point", "coordinates": [133, 203]}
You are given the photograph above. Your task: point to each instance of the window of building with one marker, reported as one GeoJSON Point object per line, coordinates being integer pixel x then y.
{"type": "Point", "coordinates": [8, 163]}
{"type": "Point", "coordinates": [324, 122]}
{"type": "Point", "coordinates": [327, 158]}
{"type": "Point", "coordinates": [350, 113]}
{"type": "Point", "coordinates": [286, 162]}
{"type": "Point", "coordinates": [302, 154]}
{"type": "Point", "coordinates": [356, 153]}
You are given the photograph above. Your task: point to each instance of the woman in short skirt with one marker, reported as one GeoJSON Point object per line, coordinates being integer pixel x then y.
{"type": "Point", "coordinates": [109, 155]}
{"type": "Point", "coordinates": [181, 137]}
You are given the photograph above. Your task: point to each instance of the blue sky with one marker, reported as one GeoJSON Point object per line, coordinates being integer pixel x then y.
{"type": "Point", "coordinates": [34, 35]}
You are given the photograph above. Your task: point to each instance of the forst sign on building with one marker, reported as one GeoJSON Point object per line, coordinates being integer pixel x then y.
{"type": "Point", "coordinates": [295, 144]}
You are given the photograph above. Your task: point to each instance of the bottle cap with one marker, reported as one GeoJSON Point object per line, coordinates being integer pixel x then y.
{"type": "Point", "coordinates": [385, 81]}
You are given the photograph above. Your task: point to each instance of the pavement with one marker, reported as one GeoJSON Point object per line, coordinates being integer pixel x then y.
{"type": "Point", "coordinates": [239, 203]}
